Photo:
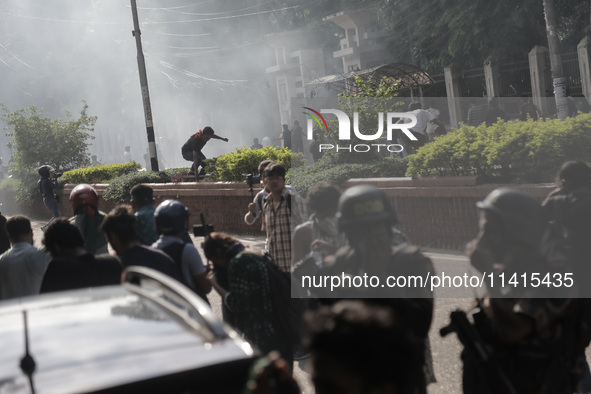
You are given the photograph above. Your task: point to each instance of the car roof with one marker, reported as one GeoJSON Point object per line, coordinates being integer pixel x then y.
{"type": "Point", "coordinates": [92, 339]}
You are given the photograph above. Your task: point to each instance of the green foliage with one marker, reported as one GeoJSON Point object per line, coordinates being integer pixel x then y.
{"type": "Point", "coordinates": [519, 151]}
{"type": "Point", "coordinates": [38, 140]}
{"type": "Point", "coordinates": [441, 33]}
{"type": "Point", "coordinates": [8, 193]}
{"type": "Point", "coordinates": [8, 185]}
{"type": "Point", "coordinates": [368, 98]}
{"type": "Point", "coordinates": [303, 178]}
{"type": "Point", "coordinates": [100, 173]}
{"type": "Point", "coordinates": [119, 188]}
{"type": "Point", "coordinates": [233, 166]}
{"type": "Point", "coordinates": [176, 174]}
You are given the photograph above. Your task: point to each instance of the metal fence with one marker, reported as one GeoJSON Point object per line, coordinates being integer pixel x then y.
{"type": "Point", "coordinates": [515, 79]}
{"type": "Point", "coordinates": [570, 65]}
{"type": "Point", "coordinates": [472, 83]}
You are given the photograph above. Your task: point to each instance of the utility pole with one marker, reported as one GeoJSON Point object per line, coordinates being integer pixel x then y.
{"type": "Point", "coordinates": [141, 64]}
{"type": "Point", "coordinates": [558, 78]}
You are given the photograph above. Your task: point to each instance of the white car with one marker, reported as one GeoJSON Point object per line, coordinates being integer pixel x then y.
{"type": "Point", "coordinates": [150, 334]}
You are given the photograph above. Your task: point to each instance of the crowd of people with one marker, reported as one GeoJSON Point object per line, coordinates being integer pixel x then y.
{"type": "Point", "coordinates": [359, 340]}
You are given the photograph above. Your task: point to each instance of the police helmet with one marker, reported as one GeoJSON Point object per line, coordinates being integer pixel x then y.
{"type": "Point", "coordinates": [171, 217]}
{"type": "Point", "coordinates": [364, 205]}
{"type": "Point", "coordinates": [522, 215]}
{"type": "Point", "coordinates": [45, 170]}
{"type": "Point", "coordinates": [83, 194]}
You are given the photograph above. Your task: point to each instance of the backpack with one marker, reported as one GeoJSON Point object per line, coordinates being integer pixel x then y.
{"type": "Point", "coordinates": [287, 311]}
{"type": "Point", "coordinates": [175, 252]}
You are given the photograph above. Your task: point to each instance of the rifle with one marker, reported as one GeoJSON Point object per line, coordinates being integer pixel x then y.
{"type": "Point", "coordinates": [477, 348]}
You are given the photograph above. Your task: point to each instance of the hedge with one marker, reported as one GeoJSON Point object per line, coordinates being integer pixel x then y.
{"type": "Point", "coordinates": [120, 187]}
{"type": "Point", "coordinates": [326, 170]}
{"type": "Point", "coordinates": [233, 167]}
{"type": "Point", "coordinates": [520, 152]}
{"type": "Point", "coordinates": [100, 173]}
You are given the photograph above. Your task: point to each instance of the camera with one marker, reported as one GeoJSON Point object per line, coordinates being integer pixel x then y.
{"type": "Point", "coordinates": [200, 230]}
{"type": "Point", "coordinates": [252, 179]}
{"type": "Point", "coordinates": [57, 174]}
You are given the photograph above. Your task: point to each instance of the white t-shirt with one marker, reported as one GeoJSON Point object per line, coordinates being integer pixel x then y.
{"type": "Point", "coordinates": [423, 119]}
{"type": "Point", "coordinates": [21, 270]}
{"type": "Point", "coordinates": [431, 127]}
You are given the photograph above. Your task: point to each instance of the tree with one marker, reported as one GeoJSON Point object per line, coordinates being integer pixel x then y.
{"type": "Point", "coordinates": [439, 33]}
{"type": "Point", "coordinates": [556, 60]}
{"type": "Point", "coordinates": [367, 97]}
{"type": "Point", "coordinates": [39, 140]}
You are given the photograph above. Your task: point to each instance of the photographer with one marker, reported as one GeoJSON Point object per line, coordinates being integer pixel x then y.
{"type": "Point", "coordinates": [48, 187]}
{"type": "Point", "coordinates": [255, 208]}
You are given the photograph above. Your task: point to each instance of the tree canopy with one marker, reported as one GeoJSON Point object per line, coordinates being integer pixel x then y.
{"type": "Point", "coordinates": [433, 34]}
{"type": "Point", "coordinates": [39, 140]}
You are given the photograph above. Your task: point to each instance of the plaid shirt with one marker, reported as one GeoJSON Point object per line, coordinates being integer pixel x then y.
{"type": "Point", "coordinates": [279, 224]}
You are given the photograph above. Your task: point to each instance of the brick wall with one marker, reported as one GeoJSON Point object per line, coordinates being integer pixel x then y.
{"type": "Point", "coordinates": [223, 204]}
{"type": "Point", "coordinates": [438, 213]}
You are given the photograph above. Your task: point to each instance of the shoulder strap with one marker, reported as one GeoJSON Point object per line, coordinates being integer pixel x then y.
{"type": "Point", "coordinates": [288, 202]}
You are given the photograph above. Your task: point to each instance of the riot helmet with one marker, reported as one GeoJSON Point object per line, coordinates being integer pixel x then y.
{"type": "Point", "coordinates": [364, 205]}
{"type": "Point", "coordinates": [84, 194]}
{"type": "Point", "coordinates": [45, 170]}
{"type": "Point", "coordinates": [170, 217]}
{"type": "Point", "coordinates": [521, 215]}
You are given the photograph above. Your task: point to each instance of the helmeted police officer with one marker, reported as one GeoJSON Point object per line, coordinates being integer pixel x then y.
{"type": "Point", "coordinates": [533, 337]}
{"type": "Point", "coordinates": [171, 218]}
{"type": "Point", "coordinates": [367, 218]}
{"type": "Point", "coordinates": [47, 187]}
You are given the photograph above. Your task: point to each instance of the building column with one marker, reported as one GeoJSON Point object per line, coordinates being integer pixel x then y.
{"type": "Point", "coordinates": [540, 75]}
{"type": "Point", "coordinates": [584, 52]}
{"type": "Point", "coordinates": [492, 77]}
{"type": "Point", "coordinates": [452, 87]}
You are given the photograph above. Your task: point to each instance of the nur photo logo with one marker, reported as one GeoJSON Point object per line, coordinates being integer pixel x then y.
{"type": "Point", "coordinates": [402, 122]}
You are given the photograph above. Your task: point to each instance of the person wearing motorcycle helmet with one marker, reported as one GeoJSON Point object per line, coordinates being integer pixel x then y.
{"type": "Point", "coordinates": [528, 326]}
{"type": "Point", "coordinates": [88, 218]}
{"type": "Point", "coordinates": [171, 218]}
{"type": "Point", "coordinates": [48, 189]}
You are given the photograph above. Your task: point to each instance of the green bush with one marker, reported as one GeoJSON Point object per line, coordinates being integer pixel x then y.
{"type": "Point", "coordinates": [100, 173]}
{"type": "Point", "coordinates": [26, 191]}
{"type": "Point", "coordinates": [233, 166]}
{"type": "Point", "coordinates": [518, 151]}
{"type": "Point", "coordinates": [302, 178]}
{"type": "Point", "coordinates": [8, 189]}
{"type": "Point", "coordinates": [119, 188]}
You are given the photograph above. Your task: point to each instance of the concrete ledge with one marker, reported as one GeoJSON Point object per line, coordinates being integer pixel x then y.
{"type": "Point", "coordinates": [436, 213]}
{"type": "Point", "coordinates": [409, 182]}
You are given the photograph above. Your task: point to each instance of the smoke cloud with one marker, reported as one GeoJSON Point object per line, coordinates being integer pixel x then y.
{"type": "Point", "coordinates": [205, 65]}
